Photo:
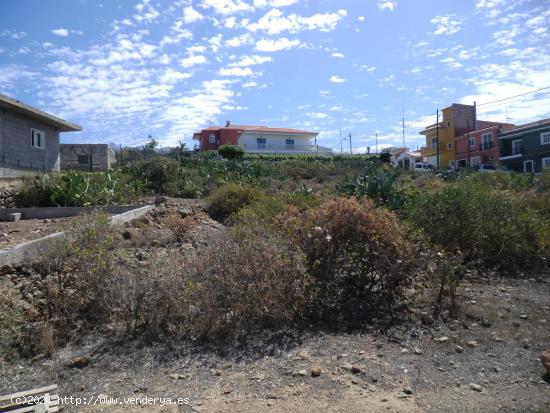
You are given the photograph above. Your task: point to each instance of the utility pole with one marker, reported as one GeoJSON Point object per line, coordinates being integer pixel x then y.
{"type": "Point", "coordinates": [468, 135]}
{"type": "Point", "coordinates": [377, 143]}
{"type": "Point", "coordinates": [350, 149]}
{"type": "Point", "coordinates": [341, 146]}
{"type": "Point", "coordinates": [437, 138]}
{"type": "Point", "coordinates": [90, 158]}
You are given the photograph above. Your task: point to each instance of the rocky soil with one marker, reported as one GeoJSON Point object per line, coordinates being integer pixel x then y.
{"type": "Point", "coordinates": [487, 360]}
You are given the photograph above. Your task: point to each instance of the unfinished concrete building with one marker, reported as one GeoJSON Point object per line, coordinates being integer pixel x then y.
{"type": "Point", "coordinates": [87, 156]}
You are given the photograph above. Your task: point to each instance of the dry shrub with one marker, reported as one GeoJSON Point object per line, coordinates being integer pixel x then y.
{"type": "Point", "coordinates": [149, 300]}
{"type": "Point", "coordinates": [357, 254]}
{"type": "Point", "coordinates": [76, 274]}
{"type": "Point", "coordinates": [245, 282]}
{"type": "Point", "coordinates": [178, 225]}
{"type": "Point", "coordinates": [12, 319]}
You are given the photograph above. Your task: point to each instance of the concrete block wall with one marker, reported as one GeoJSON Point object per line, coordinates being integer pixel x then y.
{"type": "Point", "coordinates": [15, 143]}
{"type": "Point", "coordinates": [103, 156]}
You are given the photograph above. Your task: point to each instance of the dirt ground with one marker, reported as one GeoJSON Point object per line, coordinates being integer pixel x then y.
{"type": "Point", "coordinates": [487, 362]}
{"type": "Point", "coordinates": [13, 233]}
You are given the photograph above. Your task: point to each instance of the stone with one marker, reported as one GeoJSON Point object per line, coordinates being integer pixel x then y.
{"type": "Point", "coordinates": [458, 349]}
{"type": "Point", "coordinates": [472, 343]}
{"type": "Point", "coordinates": [355, 369]}
{"type": "Point", "coordinates": [160, 200]}
{"type": "Point", "coordinates": [407, 390]}
{"type": "Point", "coordinates": [346, 366]}
{"type": "Point", "coordinates": [418, 351]}
{"type": "Point", "coordinates": [16, 216]}
{"type": "Point", "coordinates": [315, 372]}
{"type": "Point", "coordinates": [302, 373]}
{"type": "Point", "coordinates": [404, 350]}
{"type": "Point", "coordinates": [442, 339]}
{"type": "Point", "coordinates": [476, 387]}
{"type": "Point", "coordinates": [79, 362]}
{"type": "Point", "coordinates": [545, 360]}
{"type": "Point", "coordinates": [523, 316]}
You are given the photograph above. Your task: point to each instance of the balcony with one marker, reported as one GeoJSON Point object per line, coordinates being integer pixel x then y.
{"type": "Point", "coordinates": [292, 149]}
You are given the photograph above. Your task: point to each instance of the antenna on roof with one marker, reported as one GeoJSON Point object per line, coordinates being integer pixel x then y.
{"type": "Point", "coordinates": [227, 123]}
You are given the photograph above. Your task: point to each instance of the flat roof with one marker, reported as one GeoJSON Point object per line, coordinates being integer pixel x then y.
{"type": "Point", "coordinates": [34, 113]}
{"type": "Point", "coordinates": [519, 128]}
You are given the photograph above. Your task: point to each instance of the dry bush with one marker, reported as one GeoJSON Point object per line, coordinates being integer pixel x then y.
{"type": "Point", "coordinates": [75, 275]}
{"type": "Point", "coordinates": [357, 254]}
{"type": "Point", "coordinates": [12, 319]}
{"type": "Point", "coordinates": [245, 282]}
{"type": "Point", "coordinates": [149, 300]}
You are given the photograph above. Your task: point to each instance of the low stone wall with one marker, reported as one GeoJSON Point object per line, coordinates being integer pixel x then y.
{"type": "Point", "coordinates": [60, 212]}
{"type": "Point", "coordinates": [31, 251]}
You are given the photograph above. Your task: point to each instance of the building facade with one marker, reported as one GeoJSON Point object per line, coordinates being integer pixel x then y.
{"type": "Point", "coordinates": [29, 137]}
{"type": "Point", "coordinates": [526, 148]}
{"type": "Point", "coordinates": [259, 139]}
{"type": "Point", "coordinates": [87, 157]}
{"type": "Point", "coordinates": [440, 137]}
{"type": "Point", "coordinates": [477, 147]}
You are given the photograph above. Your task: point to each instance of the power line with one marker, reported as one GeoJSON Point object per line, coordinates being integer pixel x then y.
{"type": "Point", "coordinates": [512, 97]}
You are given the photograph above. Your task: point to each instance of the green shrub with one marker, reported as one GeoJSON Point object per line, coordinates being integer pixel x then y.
{"type": "Point", "coordinates": [231, 151]}
{"type": "Point", "coordinates": [357, 255]}
{"type": "Point", "coordinates": [495, 227]}
{"type": "Point", "coordinates": [378, 183]}
{"type": "Point", "coordinates": [229, 199]}
{"type": "Point", "coordinates": [75, 188]}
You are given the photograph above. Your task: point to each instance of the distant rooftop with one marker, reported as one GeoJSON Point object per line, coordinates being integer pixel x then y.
{"type": "Point", "coordinates": [32, 112]}
{"type": "Point", "coordinates": [529, 125]}
{"type": "Point", "coordinates": [261, 128]}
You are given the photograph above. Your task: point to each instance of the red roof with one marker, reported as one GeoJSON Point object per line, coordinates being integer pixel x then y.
{"type": "Point", "coordinates": [261, 128]}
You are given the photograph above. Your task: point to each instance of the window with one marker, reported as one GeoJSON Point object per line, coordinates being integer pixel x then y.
{"type": "Point", "coordinates": [528, 166]}
{"type": "Point", "coordinates": [261, 142]}
{"type": "Point", "coordinates": [434, 142]}
{"type": "Point", "coordinates": [487, 140]}
{"type": "Point", "coordinates": [38, 138]}
{"type": "Point", "coordinates": [472, 142]}
{"type": "Point", "coordinates": [212, 138]}
{"type": "Point", "coordinates": [289, 143]}
{"type": "Point", "coordinates": [83, 159]}
{"type": "Point", "coordinates": [545, 163]}
{"type": "Point", "coordinates": [448, 123]}
{"type": "Point", "coordinates": [517, 147]}
{"type": "Point", "coordinates": [545, 138]}
{"type": "Point", "coordinates": [474, 161]}
{"type": "Point", "coordinates": [449, 146]}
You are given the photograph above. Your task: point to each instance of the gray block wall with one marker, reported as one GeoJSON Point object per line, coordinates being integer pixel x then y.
{"type": "Point", "coordinates": [102, 155]}
{"type": "Point", "coordinates": [15, 143]}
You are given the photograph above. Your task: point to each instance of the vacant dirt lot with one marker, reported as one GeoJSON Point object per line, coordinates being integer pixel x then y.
{"type": "Point", "coordinates": [486, 362]}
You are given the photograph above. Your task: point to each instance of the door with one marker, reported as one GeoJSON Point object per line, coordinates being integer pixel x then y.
{"type": "Point", "coordinates": [528, 166]}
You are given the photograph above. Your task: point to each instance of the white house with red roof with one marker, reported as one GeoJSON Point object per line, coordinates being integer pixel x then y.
{"type": "Point", "coordinates": [259, 139]}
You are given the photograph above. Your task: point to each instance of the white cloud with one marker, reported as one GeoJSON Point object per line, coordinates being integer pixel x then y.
{"type": "Point", "coordinates": [361, 18]}
{"type": "Point", "coordinates": [173, 76]}
{"type": "Point", "coordinates": [317, 115]}
{"type": "Point", "coordinates": [446, 24]}
{"type": "Point", "coordinates": [269, 45]}
{"type": "Point", "coordinates": [338, 55]}
{"type": "Point", "coordinates": [251, 60]}
{"type": "Point", "coordinates": [191, 15]}
{"type": "Point", "coordinates": [274, 22]}
{"type": "Point", "coordinates": [60, 32]}
{"type": "Point", "coordinates": [236, 71]}
{"type": "Point", "coordinates": [250, 84]}
{"type": "Point", "coordinates": [274, 3]}
{"type": "Point", "coordinates": [387, 5]}
{"type": "Point", "coordinates": [239, 41]}
{"type": "Point", "coordinates": [193, 60]}
{"type": "Point", "coordinates": [226, 6]}
{"type": "Point", "coordinates": [337, 79]}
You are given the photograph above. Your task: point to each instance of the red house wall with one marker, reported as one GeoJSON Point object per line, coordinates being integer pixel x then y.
{"type": "Point", "coordinates": [490, 155]}
{"type": "Point", "coordinates": [223, 137]}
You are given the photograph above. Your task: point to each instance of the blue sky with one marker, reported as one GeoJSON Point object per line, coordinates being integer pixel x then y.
{"type": "Point", "coordinates": [128, 69]}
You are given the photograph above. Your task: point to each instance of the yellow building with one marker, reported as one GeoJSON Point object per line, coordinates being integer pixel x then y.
{"type": "Point", "coordinates": [454, 121]}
